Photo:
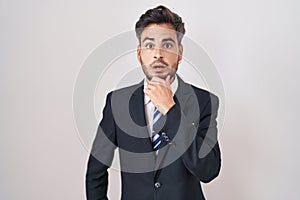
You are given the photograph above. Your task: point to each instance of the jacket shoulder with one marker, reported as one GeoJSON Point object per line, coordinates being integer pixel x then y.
{"type": "Point", "coordinates": [125, 90]}
{"type": "Point", "coordinates": [128, 88]}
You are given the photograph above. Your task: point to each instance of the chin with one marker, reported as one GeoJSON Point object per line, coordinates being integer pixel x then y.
{"type": "Point", "coordinates": [164, 76]}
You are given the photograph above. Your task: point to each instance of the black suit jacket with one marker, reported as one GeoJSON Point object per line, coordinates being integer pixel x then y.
{"type": "Point", "coordinates": [189, 151]}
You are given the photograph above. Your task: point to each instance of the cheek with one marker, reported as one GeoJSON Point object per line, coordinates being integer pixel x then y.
{"type": "Point", "coordinates": [172, 57]}
{"type": "Point", "coordinates": [145, 57]}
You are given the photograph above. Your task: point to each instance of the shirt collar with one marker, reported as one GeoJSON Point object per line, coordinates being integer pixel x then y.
{"type": "Point", "coordinates": [174, 86]}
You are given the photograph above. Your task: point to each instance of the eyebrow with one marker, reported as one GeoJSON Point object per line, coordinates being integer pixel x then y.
{"type": "Point", "coordinates": [148, 38]}
{"type": "Point", "coordinates": [168, 39]}
{"type": "Point", "coordinates": [163, 40]}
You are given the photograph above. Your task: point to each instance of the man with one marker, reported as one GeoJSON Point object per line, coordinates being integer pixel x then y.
{"type": "Point", "coordinates": [164, 129]}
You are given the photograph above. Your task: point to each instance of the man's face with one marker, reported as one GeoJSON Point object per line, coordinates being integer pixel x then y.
{"type": "Point", "coordinates": [159, 52]}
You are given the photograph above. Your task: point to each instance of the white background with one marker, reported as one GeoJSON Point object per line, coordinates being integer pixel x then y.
{"type": "Point", "coordinates": [254, 45]}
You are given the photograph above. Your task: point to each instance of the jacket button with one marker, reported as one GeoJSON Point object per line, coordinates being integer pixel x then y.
{"type": "Point", "coordinates": [157, 185]}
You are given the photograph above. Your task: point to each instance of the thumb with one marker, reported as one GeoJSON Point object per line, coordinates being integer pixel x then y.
{"type": "Point", "coordinates": [168, 80]}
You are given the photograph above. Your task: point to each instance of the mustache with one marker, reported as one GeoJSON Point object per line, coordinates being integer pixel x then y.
{"type": "Point", "coordinates": [159, 61]}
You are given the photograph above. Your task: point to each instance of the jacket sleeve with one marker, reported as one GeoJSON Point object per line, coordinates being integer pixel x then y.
{"type": "Point", "coordinates": [101, 156]}
{"type": "Point", "coordinates": [197, 141]}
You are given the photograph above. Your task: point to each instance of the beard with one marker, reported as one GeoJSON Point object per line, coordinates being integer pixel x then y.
{"type": "Point", "coordinates": [168, 70]}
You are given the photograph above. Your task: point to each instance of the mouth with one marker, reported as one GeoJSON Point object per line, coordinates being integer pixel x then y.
{"type": "Point", "coordinates": [159, 68]}
{"type": "Point", "coordinates": [159, 65]}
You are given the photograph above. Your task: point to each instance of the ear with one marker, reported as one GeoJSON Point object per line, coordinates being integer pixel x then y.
{"type": "Point", "coordinates": [180, 52]}
{"type": "Point", "coordinates": [138, 52]}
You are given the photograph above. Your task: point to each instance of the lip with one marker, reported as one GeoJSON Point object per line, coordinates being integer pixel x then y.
{"type": "Point", "coordinates": [158, 68]}
{"type": "Point", "coordinates": [159, 64]}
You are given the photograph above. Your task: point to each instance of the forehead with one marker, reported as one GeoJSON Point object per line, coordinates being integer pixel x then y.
{"type": "Point", "coordinates": [159, 31]}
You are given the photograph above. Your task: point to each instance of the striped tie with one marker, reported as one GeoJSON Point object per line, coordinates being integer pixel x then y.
{"type": "Point", "coordinates": [155, 136]}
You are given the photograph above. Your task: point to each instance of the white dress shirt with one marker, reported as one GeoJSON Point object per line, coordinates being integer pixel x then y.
{"type": "Point", "coordinates": [149, 107]}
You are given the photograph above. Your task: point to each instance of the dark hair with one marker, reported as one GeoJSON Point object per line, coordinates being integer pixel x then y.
{"type": "Point", "coordinates": [160, 15]}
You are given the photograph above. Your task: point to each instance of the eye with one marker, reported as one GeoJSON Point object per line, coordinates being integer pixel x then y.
{"type": "Point", "coordinates": [168, 45]}
{"type": "Point", "coordinates": [149, 46]}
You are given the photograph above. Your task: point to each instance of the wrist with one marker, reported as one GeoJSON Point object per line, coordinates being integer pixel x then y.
{"type": "Point", "coordinates": [167, 107]}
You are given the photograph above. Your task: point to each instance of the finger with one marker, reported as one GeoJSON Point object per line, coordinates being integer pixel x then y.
{"type": "Point", "coordinates": [152, 86]}
{"type": "Point", "coordinates": [147, 92]}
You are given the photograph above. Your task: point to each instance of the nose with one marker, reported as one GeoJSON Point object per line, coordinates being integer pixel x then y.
{"type": "Point", "coordinates": [158, 54]}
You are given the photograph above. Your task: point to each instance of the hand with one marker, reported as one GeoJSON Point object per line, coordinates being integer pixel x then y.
{"type": "Point", "coordinates": [160, 93]}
